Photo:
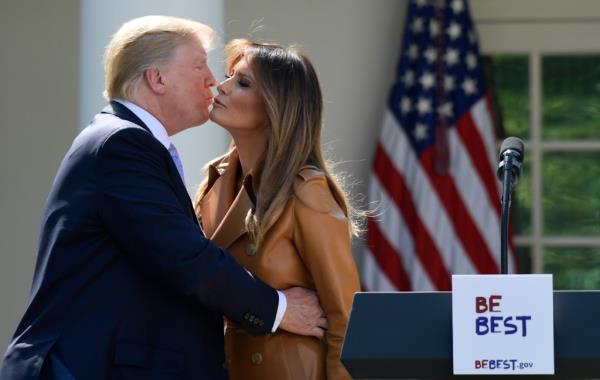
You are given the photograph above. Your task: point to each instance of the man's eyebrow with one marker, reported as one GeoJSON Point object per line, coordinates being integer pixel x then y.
{"type": "Point", "coordinates": [202, 57]}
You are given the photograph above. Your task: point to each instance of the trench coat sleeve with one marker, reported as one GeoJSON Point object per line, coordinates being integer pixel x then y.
{"type": "Point", "coordinates": [323, 239]}
{"type": "Point", "coordinates": [142, 213]}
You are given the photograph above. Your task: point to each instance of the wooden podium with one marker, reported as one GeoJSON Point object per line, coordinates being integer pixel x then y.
{"type": "Point", "coordinates": [408, 335]}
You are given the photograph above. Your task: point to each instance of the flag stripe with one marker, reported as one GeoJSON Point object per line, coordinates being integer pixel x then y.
{"type": "Point", "coordinates": [431, 212]}
{"type": "Point", "coordinates": [386, 257]}
{"type": "Point", "coordinates": [482, 119]}
{"type": "Point", "coordinates": [473, 194]}
{"type": "Point", "coordinates": [465, 228]}
{"type": "Point", "coordinates": [394, 229]}
{"type": "Point", "coordinates": [426, 250]}
{"type": "Point", "coordinates": [471, 136]}
{"type": "Point", "coordinates": [373, 276]}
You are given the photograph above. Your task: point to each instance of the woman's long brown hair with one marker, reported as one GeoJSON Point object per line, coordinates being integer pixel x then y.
{"type": "Point", "coordinates": [294, 105]}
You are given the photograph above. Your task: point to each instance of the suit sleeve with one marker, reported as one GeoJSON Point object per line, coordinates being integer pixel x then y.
{"type": "Point", "coordinates": [323, 239]}
{"type": "Point", "coordinates": [140, 209]}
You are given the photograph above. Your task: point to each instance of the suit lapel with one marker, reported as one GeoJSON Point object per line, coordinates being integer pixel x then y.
{"type": "Point", "coordinates": [122, 112]}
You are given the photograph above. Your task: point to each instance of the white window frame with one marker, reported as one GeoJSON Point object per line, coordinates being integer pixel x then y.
{"type": "Point", "coordinates": [536, 28]}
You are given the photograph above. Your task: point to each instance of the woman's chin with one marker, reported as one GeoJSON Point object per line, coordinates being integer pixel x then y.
{"type": "Point", "coordinates": [213, 117]}
{"type": "Point", "coordinates": [216, 119]}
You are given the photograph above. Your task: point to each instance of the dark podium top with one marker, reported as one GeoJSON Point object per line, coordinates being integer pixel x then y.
{"type": "Point", "coordinates": [409, 335]}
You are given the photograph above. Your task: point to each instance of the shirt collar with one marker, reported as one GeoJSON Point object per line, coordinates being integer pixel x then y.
{"type": "Point", "coordinates": [156, 128]}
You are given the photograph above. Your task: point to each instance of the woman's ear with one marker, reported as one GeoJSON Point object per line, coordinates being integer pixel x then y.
{"type": "Point", "coordinates": [155, 80]}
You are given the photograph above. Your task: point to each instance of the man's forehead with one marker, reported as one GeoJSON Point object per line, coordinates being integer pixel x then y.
{"type": "Point", "coordinates": [199, 51]}
{"type": "Point", "coordinates": [195, 50]}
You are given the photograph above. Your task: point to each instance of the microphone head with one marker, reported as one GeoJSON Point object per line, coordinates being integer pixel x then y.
{"type": "Point", "coordinates": [515, 144]}
{"type": "Point", "coordinates": [511, 157]}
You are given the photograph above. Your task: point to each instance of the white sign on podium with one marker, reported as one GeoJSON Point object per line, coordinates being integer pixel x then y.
{"type": "Point", "coordinates": [502, 324]}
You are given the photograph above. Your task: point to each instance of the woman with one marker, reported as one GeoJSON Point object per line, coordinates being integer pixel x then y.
{"type": "Point", "coordinates": [272, 202]}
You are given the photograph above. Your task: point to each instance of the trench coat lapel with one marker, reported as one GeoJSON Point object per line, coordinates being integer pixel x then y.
{"type": "Point", "coordinates": [233, 224]}
{"type": "Point", "coordinates": [218, 197]}
{"type": "Point", "coordinates": [224, 212]}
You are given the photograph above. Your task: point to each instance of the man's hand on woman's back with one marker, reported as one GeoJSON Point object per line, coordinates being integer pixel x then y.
{"type": "Point", "coordinates": [304, 314]}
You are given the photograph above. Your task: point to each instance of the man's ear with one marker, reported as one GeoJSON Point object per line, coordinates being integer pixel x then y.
{"type": "Point", "coordinates": [155, 80]}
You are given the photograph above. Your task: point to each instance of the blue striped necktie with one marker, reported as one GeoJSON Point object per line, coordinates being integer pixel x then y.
{"type": "Point", "coordinates": [177, 161]}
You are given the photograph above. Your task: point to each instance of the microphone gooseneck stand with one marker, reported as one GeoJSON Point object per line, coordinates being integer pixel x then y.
{"type": "Point", "coordinates": [506, 190]}
{"type": "Point", "coordinates": [509, 170]}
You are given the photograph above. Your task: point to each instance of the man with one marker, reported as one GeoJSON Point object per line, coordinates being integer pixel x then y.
{"type": "Point", "coordinates": [126, 286]}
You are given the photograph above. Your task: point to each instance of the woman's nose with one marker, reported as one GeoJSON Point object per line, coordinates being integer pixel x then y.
{"type": "Point", "coordinates": [222, 87]}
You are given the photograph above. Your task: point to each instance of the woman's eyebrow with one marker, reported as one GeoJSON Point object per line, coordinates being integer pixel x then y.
{"type": "Point", "coordinates": [245, 75]}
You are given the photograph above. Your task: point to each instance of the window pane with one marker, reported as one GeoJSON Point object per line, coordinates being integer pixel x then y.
{"type": "Point", "coordinates": [571, 97]}
{"type": "Point", "coordinates": [520, 211]}
{"type": "Point", "coordinates": [573, 268]}
{"type": "Point", "coordinates": [510, 76]}
{"type": "Point", "coordinates": [571, 193]}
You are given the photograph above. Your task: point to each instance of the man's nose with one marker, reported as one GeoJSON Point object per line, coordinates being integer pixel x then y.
{"type": "Point", "coordinates": [211, 80]}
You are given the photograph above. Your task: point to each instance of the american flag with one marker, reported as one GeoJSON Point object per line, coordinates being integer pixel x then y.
{"type": "Point", "coordinates": [434, 168]}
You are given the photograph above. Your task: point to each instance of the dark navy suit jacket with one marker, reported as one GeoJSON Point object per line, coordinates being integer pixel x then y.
{"type": "Point", "coordinates": [126, 286]}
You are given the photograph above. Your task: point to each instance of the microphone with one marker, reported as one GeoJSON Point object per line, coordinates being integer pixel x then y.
{"type": "Point", "coordinates": [511, 158]}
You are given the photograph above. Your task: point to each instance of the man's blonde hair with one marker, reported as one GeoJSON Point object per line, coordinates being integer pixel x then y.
{"type": "Point", "coordinates": [144, 43]}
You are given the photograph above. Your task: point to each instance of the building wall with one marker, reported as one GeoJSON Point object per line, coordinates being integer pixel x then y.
{"type": "Point", "coordinates": [39, 106]}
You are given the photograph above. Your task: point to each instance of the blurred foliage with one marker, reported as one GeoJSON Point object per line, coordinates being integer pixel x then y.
{"type": "Point", "coordinates": [523, 254]}
{"type": "Point", "coordinates": [573, 268]}
{"type": "Point", "coordinates": [522, 200]}
{"type": "Point", "coordinates": [571, 193]}
{"type": "Point", "coordinates": [571, 97]}
{"type": "Point", "coordinates": [511, 87]}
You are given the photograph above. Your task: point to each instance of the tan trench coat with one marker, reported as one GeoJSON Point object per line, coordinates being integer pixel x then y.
{"type": "Point", "coordinates": [308, 246]}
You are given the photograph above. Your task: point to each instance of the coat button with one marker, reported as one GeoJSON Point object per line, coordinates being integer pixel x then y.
{"type": "Point", "coordinates": [251, 249]}
{"type": "Point", "coordinates": [256, 358]}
